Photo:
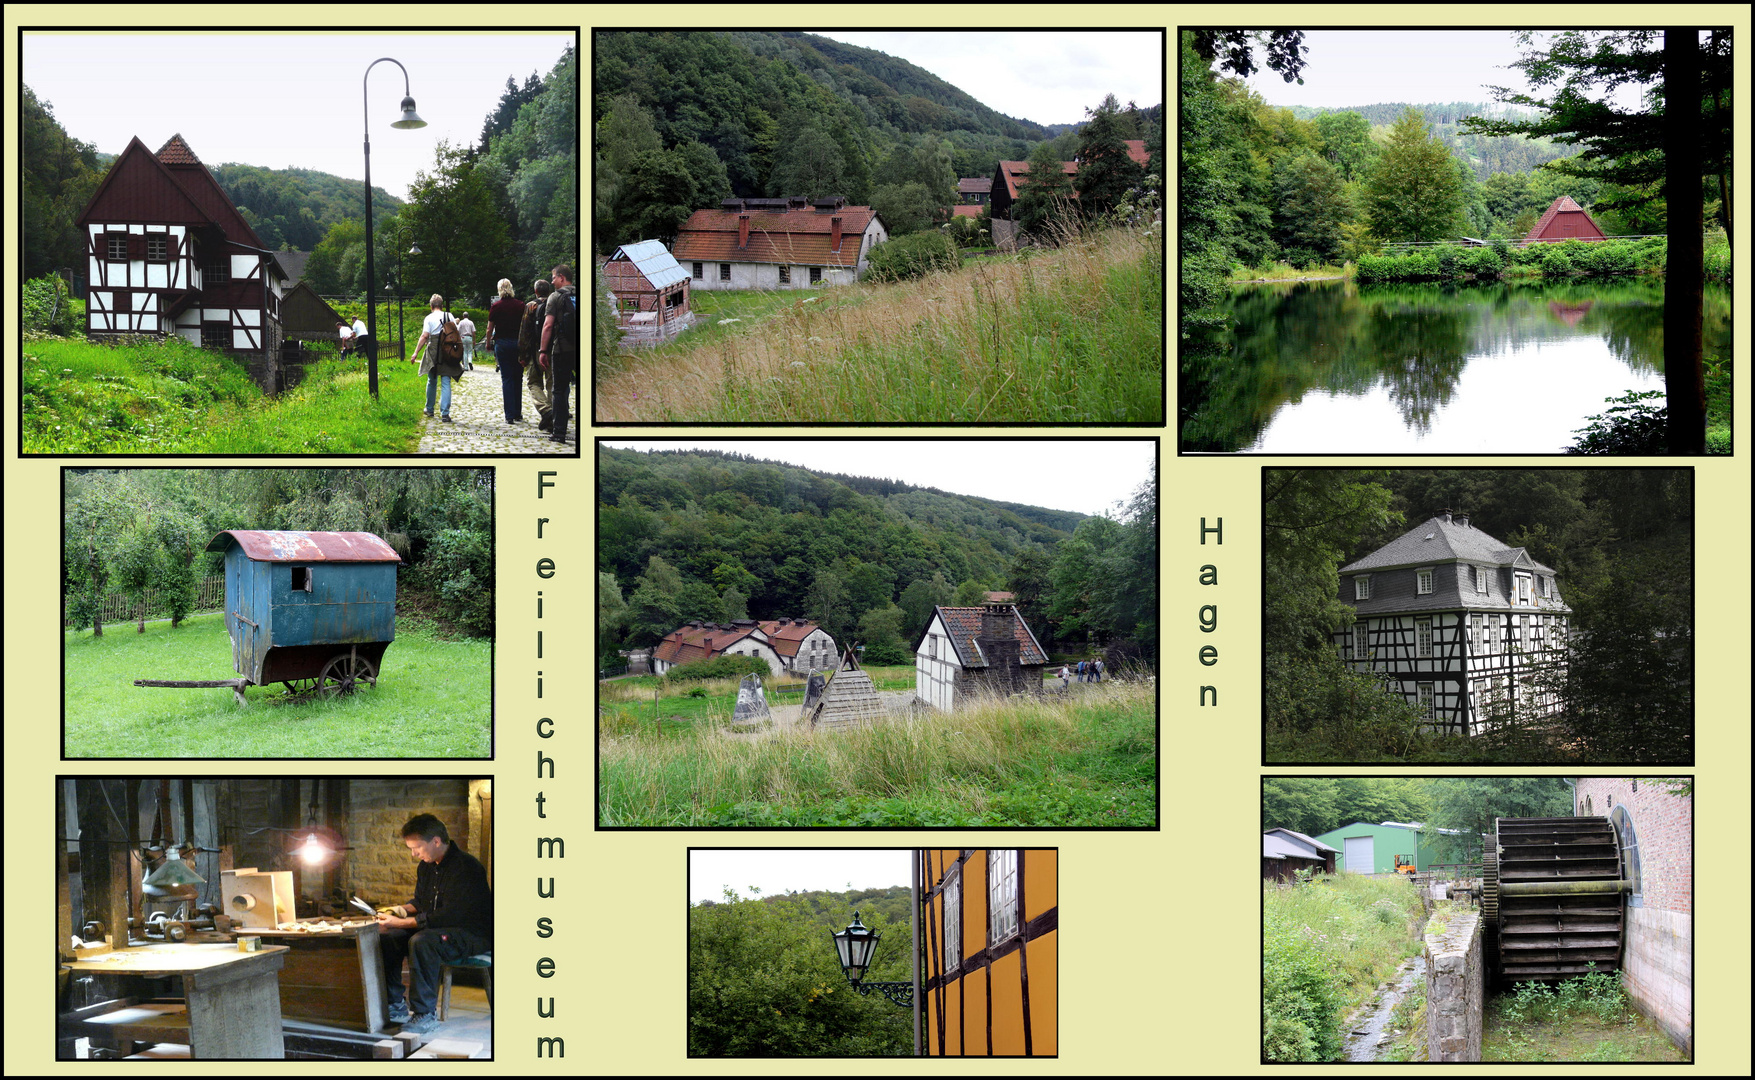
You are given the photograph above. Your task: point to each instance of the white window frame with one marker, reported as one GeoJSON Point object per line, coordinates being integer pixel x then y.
{"type": "Point", "coordinates": [1423, 581]}
{"type": "Point", "coordinates": [1476, 632]}
{"type": "Point", "coordinates": [1424, 699]}
{"type": "Point", "coordinates": [1361, 639]}
{"type": "Point", "coordinates": [1522, 590]}
{"type": "Point", "coordinates": [1481, 585]}
{"type": "Point", "coordinates": [1423, 638]}
{"type": "Point", "coordinates": [953, 912]}
{"type": "Point", "coordinates": [1362, 587]}
{"type": "Point", "coordinates": [1002, 894]}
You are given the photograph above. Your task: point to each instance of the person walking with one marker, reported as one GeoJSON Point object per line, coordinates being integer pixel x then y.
{"type": "Point", "coordinates": [466, 327]}
{"type": "Point", "coordinates": [362, 342]}
{"type": "Point", "coordinates": [438, 370]}
{"type": "Point", "coordinates": [1063, 676]}
{"type": "Point", "coordinates": [560, 344]}
{"type": "Point", "coordinates": [1097, 668]}
{"type": "Point", "coordinates": [529, 344]}
{"type": "Point", "coordinates": [504, 319]}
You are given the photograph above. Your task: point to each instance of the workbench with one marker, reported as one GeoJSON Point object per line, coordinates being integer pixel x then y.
{"type": "Point", "coordinates": [231, 999]}
{"type": "Point", "coordinates": [334, 977]}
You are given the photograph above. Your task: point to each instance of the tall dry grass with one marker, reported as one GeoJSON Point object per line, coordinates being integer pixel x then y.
{"type": "Point", "coordinates": [964, 758]}
{"type": "Point", "coordinates": [1072, 335]}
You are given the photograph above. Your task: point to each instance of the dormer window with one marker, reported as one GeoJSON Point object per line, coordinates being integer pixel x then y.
{"type": "Point", "coordinates": [1523, 590]}
{"type": "Point", "coordinates": [1481, 580]}
{"type": "Point", "coordinates": [1362, 587]}
{"type": "Point", "coordinates": [1542, 585]}
{"type": "Point", "coordinates": [1423, 582]}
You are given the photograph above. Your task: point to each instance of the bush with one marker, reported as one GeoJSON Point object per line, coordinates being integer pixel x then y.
{"type": "Point", "coordinates": [1632, 426]}
{"type": "Point", "coordinates": [720, 667]}
{"type": "Point", "coordinates": [912, 256]}
{"type": "Point", "coordinates": [48, 305]}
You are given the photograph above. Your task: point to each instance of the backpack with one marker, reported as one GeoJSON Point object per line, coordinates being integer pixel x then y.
{"type": "Point", "coordinates": [566, 335]}
{"type": "Point", "coordinates": [450, 343]}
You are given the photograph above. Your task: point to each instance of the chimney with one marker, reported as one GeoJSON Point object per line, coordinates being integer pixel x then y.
{"type": "Point", "coordinates": [1444, 514]}
{"type": "Point", "coordinates": [835, 233]}
{"type": "Point", "coordinates": [743, 231]}
{"type": "Point", "coordinates": [1463, 520]}
{"type": "Point", "coordinates": [1000, 645]}
{"type": "Point", "coordinates": [784, 622]}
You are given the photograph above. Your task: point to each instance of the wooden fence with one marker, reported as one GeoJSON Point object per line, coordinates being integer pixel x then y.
{"type": "Point", "coordinates": [119, 607]}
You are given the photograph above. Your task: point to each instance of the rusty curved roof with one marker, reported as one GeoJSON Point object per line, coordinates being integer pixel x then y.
{"type": "Point", "coordinates": [283, 545]}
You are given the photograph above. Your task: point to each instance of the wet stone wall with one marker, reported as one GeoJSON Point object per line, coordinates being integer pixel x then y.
{"type": "Point", "coordinates": [1455, 988]}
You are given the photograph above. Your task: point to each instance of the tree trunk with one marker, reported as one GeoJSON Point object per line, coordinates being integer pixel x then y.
{"type": "Point", "coordinates": [1684, 381]}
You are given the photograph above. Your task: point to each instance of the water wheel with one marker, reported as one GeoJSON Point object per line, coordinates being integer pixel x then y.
{"type": "Point", "coordinates": [1552, 898]}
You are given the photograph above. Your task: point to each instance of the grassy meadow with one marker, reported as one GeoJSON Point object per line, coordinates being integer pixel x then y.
{"type": "Point", "coordinates": [1083, 759]}
{"type": "Point", "coordinates": [1069, 335]}
{"type": "Point", "coordinates": [432, 699]}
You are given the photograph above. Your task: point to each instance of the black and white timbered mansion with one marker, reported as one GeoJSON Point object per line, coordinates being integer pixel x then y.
{"type": "Point", "coordinates": [1455, 621]}
{"type": "Point", "coordinates": [170, 254]}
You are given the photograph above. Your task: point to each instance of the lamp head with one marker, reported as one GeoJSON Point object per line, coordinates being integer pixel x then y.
{"type": "Point", "coordinates": [854, 947]}
{"type": "Point", "coordinates": [409, 118]}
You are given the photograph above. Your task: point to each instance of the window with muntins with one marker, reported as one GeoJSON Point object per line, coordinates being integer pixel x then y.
{"type": "Point", "coordinates": [1362, 587]}
{"type": "Point", "coordinates": [1629, 841]}
{"type": "Point", "coordinates": [786, 275]}
{"type": "Point", "coordinates": [1481, 580]}
{"type": "Point", "coordinates": [116, 246]}
{"type": "Point", "coordinates": [1423, 582]}
{"type": "Point", "coordinates": [158, 247]}
{"type": "Point", "coordinates": [1423, 637]}
{"type": "Point", "coordinates": [1423, 698]}
{"type": "Point", "coordinates": [1002, 893]}
{"type": "Point", "coordinates": [724, 271]}
{"type": "Point", "coordinates": [953, 923]}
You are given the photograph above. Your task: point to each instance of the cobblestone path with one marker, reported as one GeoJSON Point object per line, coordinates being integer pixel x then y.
{"type": "Point", "coordinates": [478, 421]}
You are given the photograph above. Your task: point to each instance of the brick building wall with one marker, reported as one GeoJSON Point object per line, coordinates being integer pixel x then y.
{"type": "Point", "coordinates": [379, 868]}
{"type": "Point", "coordinates": [1657, 956]}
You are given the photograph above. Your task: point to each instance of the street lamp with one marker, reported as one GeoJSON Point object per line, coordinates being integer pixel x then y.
{"type": "Point", "coordinates": [855, 946]}
{"type": "Point", "coordinates": [408, 121]}
{"type": "Point", "coordinates": [401, 342]}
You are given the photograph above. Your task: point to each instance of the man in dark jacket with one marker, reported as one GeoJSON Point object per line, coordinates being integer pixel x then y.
{"type": "Point", "coordinates": [450, 917]}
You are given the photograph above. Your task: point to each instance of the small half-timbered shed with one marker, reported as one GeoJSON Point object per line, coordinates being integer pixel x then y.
{"type": "Point", "coordinates": [990, 944]}
{"type": "Point", "coordinates": [780, 243]}
{"type": "Point", "coordinates": [1564, 220]}
{"type": "Point", "coordinates": [968, 651]}
{"type": "Point", "coordinates": [168, 253]}
{"type": "Point", "coordinates": [1455, 621]}
{"type": "Point", "coordinates": [649, 289]}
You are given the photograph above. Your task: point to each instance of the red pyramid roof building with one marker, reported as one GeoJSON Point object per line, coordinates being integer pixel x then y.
{"type": "Point", "coordinates": [1564, 220]}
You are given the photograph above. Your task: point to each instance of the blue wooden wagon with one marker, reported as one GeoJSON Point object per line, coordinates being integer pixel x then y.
{"type": "Point", "coordinates": [312, 610]}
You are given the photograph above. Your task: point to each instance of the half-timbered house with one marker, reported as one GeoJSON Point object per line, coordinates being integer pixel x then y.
{"type": "Point", "coordinates": [782, 243]}
{"type": "Point", "coordinates": [966, 652]}
{"type": "Point", "coordinates": [168, 253]}
{"type": "Point", "coordinates": [650, 292]}
{"type": "Point", "coordinates": [990, 929]}
{"type": "Point", "coordinates": [1457, 622]}
{"type": "Point", "coordinates": [1564, 220]}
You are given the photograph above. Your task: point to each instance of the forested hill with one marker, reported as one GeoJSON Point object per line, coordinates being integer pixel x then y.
{"type": "Point", "coordinates": [1487, 155]}
{"type": "Point", "coordinates": [294, 208]}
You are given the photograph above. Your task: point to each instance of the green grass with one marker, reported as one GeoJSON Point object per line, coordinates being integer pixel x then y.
{"type": "Point", "coordinates": [166, 396]}
{"type": "Point", "coordinates": [1325, 947]}
{"type": "Point", "coordinates": [432, 700]}
{"type": "Point", "coordinates": [1071, 335]}
{"type": "Point", "coordinates": [1586, 1019]}
{"type": "Point", "coordinates": [1088, 759]}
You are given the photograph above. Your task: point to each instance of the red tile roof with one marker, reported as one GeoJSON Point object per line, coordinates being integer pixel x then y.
{"type": "Point", "coordinates": [176, 152]}
{"type": "Point", "coordinates": [688, 643]}
{"type": "Point", "coordinates": [789, 237]}
{"type": "Point", "coordinates": [968, 210]}
{"type": "Point", "coordinates": [1016, 170]}
{"type": "Point", "coordinates": [964, 625]}
{"type": "Point", "coordinates": [786, 639]}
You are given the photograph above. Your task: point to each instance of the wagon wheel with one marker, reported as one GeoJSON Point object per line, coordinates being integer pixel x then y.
{"type": "Point", "coordinates": [345, 674]}
{"type": "Point", "coordinates": [295, 687]}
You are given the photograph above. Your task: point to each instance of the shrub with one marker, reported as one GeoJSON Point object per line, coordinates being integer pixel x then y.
{"type": "Point", "coordinates": [912, 256]}
{"type": "Point", "coordinates": [720, 667]}
{"type": "Point", "coordinates": [48, 305]}
{"type": "Point", "coordinates": [1632, 426]}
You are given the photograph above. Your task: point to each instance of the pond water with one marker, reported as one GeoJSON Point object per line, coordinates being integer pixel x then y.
{"type": "Point", "coordinates": [1330, 367]}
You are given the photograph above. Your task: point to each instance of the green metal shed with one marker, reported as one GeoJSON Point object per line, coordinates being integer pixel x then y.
{"type": "Point", "coordinates": [1371, 849]}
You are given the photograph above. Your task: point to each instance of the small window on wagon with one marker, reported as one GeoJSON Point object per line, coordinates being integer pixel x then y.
{"type": "Point", "coordinates": [301, 579]}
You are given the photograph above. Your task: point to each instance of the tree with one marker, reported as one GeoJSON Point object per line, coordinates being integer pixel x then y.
{"type": "Point", "coordinates": [1106, 173]}
{"type": "Point", "coordinates": [826, 602]}
{"type": "Point", "coordinates": [1346, 143]}
{"type": "Point", "coordinates": [1413, 192]}
{"type": "Point", "coordinates": [1666, 148]}
{"type": "Point", "coordinates": [809, 163]}
{"type": "Point", "coordinates": [465, 244]}
{"type": "Point", "coordinates": [1466, 808]}
{"type": "Point", "coordinates": [1046, 198]}
{"type": "Point", "coordinates": [1310, 210]}
{"type": "Point", "coordinates": [656, 606]}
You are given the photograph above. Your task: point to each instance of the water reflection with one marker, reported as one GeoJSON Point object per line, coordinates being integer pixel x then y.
{"type": "Point", "coordinates": [1330, 367]}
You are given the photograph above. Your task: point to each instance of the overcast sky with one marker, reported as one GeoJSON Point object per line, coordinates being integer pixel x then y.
{"type": "Point", "coordinates": [1372, 67]}
{"type": "Point", "coordinates": [280, 100]}
{"type": "Point", "coordinates": [1047, 76]}
{"type": "Point", "coordinates": [778, 870]}
{"type": "Point", "coordinates": [1083, 475]}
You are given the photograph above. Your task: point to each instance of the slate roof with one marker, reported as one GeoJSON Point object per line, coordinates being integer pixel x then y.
{"type": "Point", "coordinates": [1453, 550]}
{"type": "Point", "coordinates": [964, 626]}
{"type": "Point", "coordinates": [782, 237]}
{"type": "Point", "coordinates": [654, 263]}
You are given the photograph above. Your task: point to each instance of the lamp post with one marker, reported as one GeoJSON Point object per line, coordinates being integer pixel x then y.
{"type": "Point", "coordinates": [401, 342]}
{"type": "Point", "coordinates": [855, 946]}
{"type": "Point", "coordinates": [408, 121]}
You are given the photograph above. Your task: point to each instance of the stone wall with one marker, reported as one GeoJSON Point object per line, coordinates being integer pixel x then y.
{"type": "Point", "coordinates": [379, 868]}
{"type": "Point", "coordinates": [1454, 988]}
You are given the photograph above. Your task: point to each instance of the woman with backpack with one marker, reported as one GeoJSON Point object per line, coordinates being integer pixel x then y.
{"type": "Point", "coordinates": [446, 360]}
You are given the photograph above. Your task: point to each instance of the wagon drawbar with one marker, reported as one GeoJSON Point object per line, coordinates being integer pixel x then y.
{"type": "Point", "coordinates": [313, 610]}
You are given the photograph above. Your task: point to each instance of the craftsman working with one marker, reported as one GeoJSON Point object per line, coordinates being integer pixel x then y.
{"type": "Point", "coordinates": [451, 917]}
